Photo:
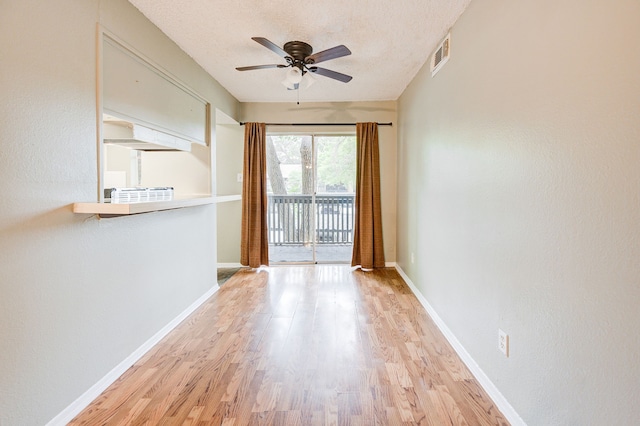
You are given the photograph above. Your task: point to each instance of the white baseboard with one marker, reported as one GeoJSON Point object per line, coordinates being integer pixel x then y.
{"type": "Point", "coordinates": [491, 389]}
{"type": "Point", "coordinates": [229, 265]}
{"type": "Point", "coordinates": [94, 391]}
{"type": "Point", "coordinates": [237, 265]}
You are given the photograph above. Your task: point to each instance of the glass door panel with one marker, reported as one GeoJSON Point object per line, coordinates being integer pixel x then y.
{"type": "Point", "coordinates": [310, 194]}
{"type": "Point", "coordinates": [335, 193]}
{"type": "Point", "coordinates": [289, 194]}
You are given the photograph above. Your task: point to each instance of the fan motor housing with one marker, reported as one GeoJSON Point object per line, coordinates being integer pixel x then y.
{"type": "Point", "coordinates": [298, 50]}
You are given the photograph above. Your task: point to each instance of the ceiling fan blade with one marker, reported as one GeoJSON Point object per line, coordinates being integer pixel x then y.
{"type": "Point", "coordinates": [260, 67]}
{"type": "Point", "coordinates": [325, 55]}
{"type": "Point", "coordinates": [271, 46]}
{"type": "Point", "coordinates": [331, 74]}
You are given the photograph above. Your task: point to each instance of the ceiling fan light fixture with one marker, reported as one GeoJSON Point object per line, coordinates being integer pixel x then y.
{"type": "Point", "coordinates": [301, 62]}
{"type": "Point", "coordinates": [307, 80]}
{"type": "Point", "coordinates": [286, 83]}
{"type": "Point", "coordinates": [294, 75]}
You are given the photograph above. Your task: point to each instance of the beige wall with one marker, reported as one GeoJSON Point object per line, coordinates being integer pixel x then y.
{"type": "Point", "coordinates": [344, 112]}
{"type": "Point", "coordinates": [518, 193]}
{"type": "Point", "coordinates": [229, 159]}
{"type": "Point", "coordinates": [229, 152]}
{"type": "Point", "coordinates": [186, 172]}
{"type": "Point", "coordinates": [77, 294]}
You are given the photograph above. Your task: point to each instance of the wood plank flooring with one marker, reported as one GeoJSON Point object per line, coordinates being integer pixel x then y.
{"type": "Point", "coordinates": [300, 345]}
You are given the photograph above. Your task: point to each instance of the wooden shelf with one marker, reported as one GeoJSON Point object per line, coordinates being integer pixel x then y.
{"type": "Point", "coordinates": [123, 209]}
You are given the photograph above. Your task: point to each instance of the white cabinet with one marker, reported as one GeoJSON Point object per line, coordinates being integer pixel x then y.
{"type": "Point", "coordinates": [138, 91]}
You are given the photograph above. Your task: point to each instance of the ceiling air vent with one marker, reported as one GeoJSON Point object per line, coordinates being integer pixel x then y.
{"type": "Point", "coordinates": [441, 55]}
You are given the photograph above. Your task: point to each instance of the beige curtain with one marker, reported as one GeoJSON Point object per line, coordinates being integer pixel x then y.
{"type": "Point", "coordinates": [368, 250]}
{"type": "Point", "coordinates": [254, 246]}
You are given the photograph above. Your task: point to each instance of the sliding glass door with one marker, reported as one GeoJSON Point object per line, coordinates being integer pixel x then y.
{"type": "Point", "coordinates": [311, 193]}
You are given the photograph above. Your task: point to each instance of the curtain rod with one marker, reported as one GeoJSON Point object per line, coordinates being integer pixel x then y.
{"type": "Point", "coordinates": [317, 124]}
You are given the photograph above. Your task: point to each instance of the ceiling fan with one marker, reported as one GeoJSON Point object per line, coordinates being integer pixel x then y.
{"type": "Point", "coordinates": [301, 59]}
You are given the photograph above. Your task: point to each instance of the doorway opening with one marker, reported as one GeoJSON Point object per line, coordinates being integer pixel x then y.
{"type": "Point", "coordinates": [311, 193]}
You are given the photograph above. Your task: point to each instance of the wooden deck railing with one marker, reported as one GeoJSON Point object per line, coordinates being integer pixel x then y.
{"type": "Point", "coordinates": [291, 218]}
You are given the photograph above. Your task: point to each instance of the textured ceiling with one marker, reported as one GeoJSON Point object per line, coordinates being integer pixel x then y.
{"type": "Point", "coordinates": [389, 41]}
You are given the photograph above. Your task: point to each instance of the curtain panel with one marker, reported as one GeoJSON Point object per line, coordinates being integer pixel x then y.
{"type": "Point", "coordinates": [368, 249]}
{"type": "Point", "coordinates": [254, 245]}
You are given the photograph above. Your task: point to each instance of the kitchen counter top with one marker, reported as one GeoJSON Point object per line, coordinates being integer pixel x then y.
{"type": "Point", "coordinates": [107, 210]}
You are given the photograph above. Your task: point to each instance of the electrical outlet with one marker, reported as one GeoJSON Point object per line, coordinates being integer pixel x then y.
{"type": "Point", "coordinates": [239, 177]}
{"type": "Point", "coordinates": [413, 258]}
{"type": "Point", "coordinates": [503, 342]}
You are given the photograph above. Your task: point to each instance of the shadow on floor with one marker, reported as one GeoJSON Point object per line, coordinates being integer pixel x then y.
{"type": "Point", "coordinates": [225, 273]}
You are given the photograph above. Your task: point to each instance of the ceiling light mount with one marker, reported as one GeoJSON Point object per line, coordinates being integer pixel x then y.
{"type": "Point", "coordinates": [298, 50]}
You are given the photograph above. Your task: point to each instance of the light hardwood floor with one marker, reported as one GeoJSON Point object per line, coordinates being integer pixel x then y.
{"type": "Point", "coordinates": [300, 345]}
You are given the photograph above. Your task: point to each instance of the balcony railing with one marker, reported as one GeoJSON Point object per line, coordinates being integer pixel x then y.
{"type": "Point", "coordinates": [290, 219]}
